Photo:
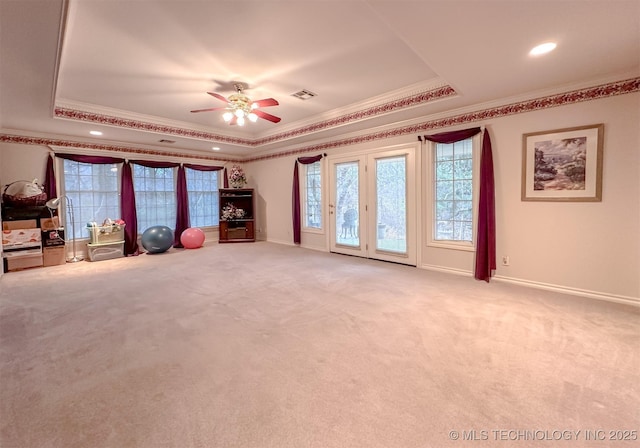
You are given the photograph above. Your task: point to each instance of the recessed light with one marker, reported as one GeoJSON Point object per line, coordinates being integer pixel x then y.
{"type": "Point", "coordinates": [543, 49]}
{"type": "Point", "coordinates": [216, 148]}
{"type": "Point", "coordinates": [95, 132]}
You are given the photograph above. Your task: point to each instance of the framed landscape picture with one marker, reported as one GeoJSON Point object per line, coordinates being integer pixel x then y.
{"type": "Point", "coordinates": [563, 164]}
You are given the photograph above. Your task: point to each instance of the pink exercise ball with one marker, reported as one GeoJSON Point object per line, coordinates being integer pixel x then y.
{"type": "Point", "coordinates": [192, 238]}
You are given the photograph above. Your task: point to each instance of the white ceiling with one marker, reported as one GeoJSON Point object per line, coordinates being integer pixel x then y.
{"type": "Point", "coordinates": [148, 63]}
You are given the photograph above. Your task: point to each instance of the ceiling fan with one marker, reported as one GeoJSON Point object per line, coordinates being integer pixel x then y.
{"type": "Point", "coordinates": [240, 107]}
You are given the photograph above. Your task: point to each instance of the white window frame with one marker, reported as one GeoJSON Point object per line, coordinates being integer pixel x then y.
{"type": "Point", "coordinates": [216, 208]}
{"type": "Point", "coordinates": [431, 203]}
{"type": "Point", "coordinates": [80, 214]}
{"type": "Point", "coordinates": [139, 193]}
{"type": "Point", "coordinates": [305, 196]}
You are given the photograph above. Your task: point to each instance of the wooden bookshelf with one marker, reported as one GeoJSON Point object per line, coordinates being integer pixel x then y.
{"type": "Point", "coordinates": [237, 229]}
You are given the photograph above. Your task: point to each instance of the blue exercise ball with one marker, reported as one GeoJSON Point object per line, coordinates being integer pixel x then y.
{"type": "Point", "coordinates": [157, 239]}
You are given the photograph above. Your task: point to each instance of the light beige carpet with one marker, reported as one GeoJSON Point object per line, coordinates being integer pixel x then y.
{"type": "Point", "coordinates": [264, 345]}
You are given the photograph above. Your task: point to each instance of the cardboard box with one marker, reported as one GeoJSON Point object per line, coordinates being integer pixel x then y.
{"type": "Point", "coordinates": [21, 238]}
{"type": "Point", "coordinates": [52, 238]}
{"type": "Point", "coordinates": [50, 223]}
{"type": "Point", "coordinates": [20, 263]}
{"type": "Point", "coordinates": [20, 224]}
{"type": "Point", "coordinates": [53, 256]}
{"type": "Point", "coordinates": [22, 252]}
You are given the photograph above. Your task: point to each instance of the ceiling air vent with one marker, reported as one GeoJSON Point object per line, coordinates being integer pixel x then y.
{"type": "Point", "coordinates": [304, 94]}
{"type": "Point", "coordinates": [164, 140]}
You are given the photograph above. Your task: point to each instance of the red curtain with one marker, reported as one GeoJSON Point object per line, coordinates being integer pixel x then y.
{"type": "Point", "coordinates": [486, 240]}
{"type": "Point", "coordinates": [182, 213]}
{"type": "Point", "coordinates": [50, 179]}
{"type": "Point", "coordinates": [90, 159]}
{"type": "Point", "coordinates": [297, 225]}
{"type": "Point", "coordinates": [203, 167]}
{"type": "Point", "coordinates": [453, 136]}
{"type": "Point", "coordinates": [128, 211]}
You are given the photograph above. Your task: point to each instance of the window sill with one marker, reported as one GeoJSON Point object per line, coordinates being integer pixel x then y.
{"type": "Point", "coordinates": [463, 246]}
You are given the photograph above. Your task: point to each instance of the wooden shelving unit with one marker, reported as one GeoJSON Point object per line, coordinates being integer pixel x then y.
{"type": "Point", "coordinates": [237, 229]}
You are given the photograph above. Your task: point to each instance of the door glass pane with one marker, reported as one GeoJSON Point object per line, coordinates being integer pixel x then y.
{"type": "Point", "coordinates": [347, 200]}
{"type": "Point", "coordinates": [391, 200]}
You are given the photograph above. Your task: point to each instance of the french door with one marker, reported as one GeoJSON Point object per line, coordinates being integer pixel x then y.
{"type": "Point", "coordinates": [372, 205]}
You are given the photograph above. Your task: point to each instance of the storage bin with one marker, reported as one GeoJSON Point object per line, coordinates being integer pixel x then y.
{"type": "Point", "coordinates": [106, 234]}
{"type": "Point", "coordinates": [106, 251]}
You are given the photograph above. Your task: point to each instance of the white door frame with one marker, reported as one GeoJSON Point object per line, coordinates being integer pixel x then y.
{"type": "Point", "coordinates": [367, 224]}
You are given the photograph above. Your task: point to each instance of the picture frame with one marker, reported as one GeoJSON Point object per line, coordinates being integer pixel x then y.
{"type": "Point", "coordinates": [563, 164]}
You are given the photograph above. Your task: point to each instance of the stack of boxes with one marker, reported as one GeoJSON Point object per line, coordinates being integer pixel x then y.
{"type": "Point", "coordinates": [106, 242]}
{"type": "Point", "coordinates": [54, 251]}
{"type": "Point", "coordinates": [21, 245]}
{"type": "Point", "coordinates": [33, 242]}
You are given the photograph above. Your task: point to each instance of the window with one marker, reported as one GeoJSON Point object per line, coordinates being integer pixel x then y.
{"type": "Point", "coordinates": [313, 196]}
{"type": "Point", "coordinates": [94, 192]}
{"type": "Point", "coordinates": [202, 187]}
{"type": "Point", "coordinates": [155, 196]}
{"type": "Point", "coordinates": [453, 193]}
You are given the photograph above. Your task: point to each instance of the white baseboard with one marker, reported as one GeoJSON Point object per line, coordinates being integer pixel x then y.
{"type": "Point", "coordinates": [286, 243]}
{"type": "Point", "coordinates": [432, 267]}
{"type": "Point", "coordinates": [635, 301]}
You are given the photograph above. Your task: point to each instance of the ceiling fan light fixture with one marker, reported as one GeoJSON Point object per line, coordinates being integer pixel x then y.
{"type": "Point", "coordinates": [239, 108]}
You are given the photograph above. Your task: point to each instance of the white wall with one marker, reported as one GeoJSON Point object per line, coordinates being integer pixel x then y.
{"type": "Point", "coordinates": [22, 162]}
{"type": "Point", "coordinates": [273, 180]}
{"type": "Point", "coordinates": [591, 248]}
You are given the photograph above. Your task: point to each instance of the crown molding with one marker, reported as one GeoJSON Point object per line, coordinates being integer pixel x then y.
{"type": "Point", "coordinates": [478, 113]}
{"type": "Point", "coordinates": [412, 96]}
{"type": "Point", "coordinates": [76, 111]}
{"type": "Point", "coordinates": [65, 144]}
{"type": "Point", "coordinates": [414, 91]}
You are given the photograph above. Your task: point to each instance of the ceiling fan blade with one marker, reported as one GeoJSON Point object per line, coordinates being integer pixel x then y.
{"type": "Point", "coordinates": [208, 110]}
{"type": "Point", "coordinates": [265, 102]}
{"type": "Point", "coordinates": [217, 95]}
{"type": "Point", "coordinates": [267, 116]}
{"type": "Point", "coordinates": [234, 121]}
